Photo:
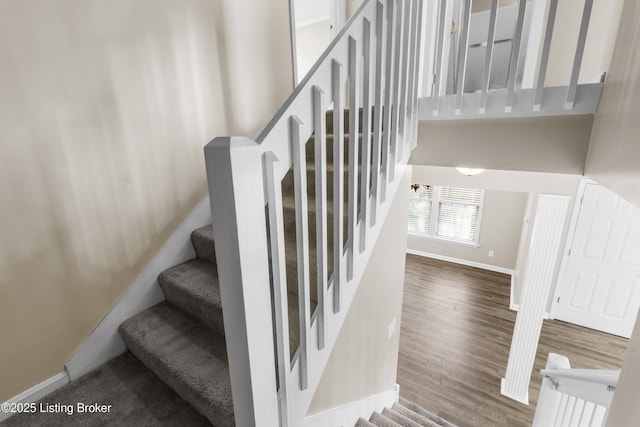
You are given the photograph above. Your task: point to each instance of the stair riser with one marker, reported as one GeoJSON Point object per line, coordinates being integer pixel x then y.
{"type": "Point", "coordinates": [211, 317]}
{"type": "Point", "coordinates": [203, 244]}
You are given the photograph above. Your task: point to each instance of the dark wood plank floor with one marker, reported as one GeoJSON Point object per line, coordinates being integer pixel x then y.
{"type": "Point", "coordinates": [454, 344]}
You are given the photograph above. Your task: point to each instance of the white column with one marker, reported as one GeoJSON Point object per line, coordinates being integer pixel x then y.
{"type": "Point", "coordinates": [538, 274]}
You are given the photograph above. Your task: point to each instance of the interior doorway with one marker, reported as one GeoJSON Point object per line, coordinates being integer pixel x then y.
{"type": "Point", "coordinates": [314, 23]}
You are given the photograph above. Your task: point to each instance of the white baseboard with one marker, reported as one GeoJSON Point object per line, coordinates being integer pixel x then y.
{"type": "Point", "coordinates": [105, 342]}
{"type": "Point", "coordinates": [37, 392]}
{"type": "Point", "coordinates": [347, 415]}
{"type": "Point", "coordinates": [489, 267]}
{"type": "Point", "coordinates": [515, 307]}
{"type": "Point", "coordinates": [522, 399]}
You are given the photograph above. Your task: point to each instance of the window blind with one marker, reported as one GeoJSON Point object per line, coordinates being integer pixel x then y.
{"type": "Point", "coordinates": [449, 213]}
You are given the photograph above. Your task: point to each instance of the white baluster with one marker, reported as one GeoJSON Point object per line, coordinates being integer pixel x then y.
{"type": "Point", "coordinates": [302, 243]}
{"type": "Point", "coordinates": [320, 137]}
{"type": "Point", "coordinates": [279, 276]}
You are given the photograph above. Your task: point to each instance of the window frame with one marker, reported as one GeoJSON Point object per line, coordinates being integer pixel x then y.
{"type": "Point", "coordinates": [434, 213]}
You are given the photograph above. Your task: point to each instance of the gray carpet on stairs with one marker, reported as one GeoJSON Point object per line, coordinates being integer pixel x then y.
{"type": "Point", "coordinates": [426, 414]}
{"type": "Point", "coordinates": [404, 414]}
{"type": "Point", "coordinates": [137, 398]}
{"type": "Point", "coordinates": [185, 355]}
{"type": "Point", "coordinates": [181, 340]}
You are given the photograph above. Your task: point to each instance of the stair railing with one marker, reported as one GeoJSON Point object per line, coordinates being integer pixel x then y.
{"type": "Point", "coordinates": [462, 88]}
{"type": "Point", "coordinates": [370, 72]}
{"type": "Point", "coordinates": [574, 397]}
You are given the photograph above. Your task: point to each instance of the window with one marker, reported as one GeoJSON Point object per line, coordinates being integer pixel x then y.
{"type": "Point", "coordinates": [447, 213]}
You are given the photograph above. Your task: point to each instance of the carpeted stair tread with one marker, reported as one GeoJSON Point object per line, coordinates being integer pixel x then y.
{"type": "Point", "coordinates": [429, 415]}
{"type": "Point", "coordinates": [137, 398]}
{"type": "Point", "coordinates": [381, 421]}
{"type": "Point", "coordinates": [364, 423]}
{"type": "Point", "coordinates": [193, 287]}
{"type": "Point", "coordinates": [202, 240]}
{"type": "Point", "coordinates": [185, 355]}
{"type": "Point", "coordinates": [399, 418]}
{"type": "Point", "coordinates": [414, 416]}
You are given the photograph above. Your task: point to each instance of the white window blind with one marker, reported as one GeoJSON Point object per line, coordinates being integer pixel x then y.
{"type": "Point", "coordinates": [448, 213]}
{"type": "Point", "coordinates": [420, 209]}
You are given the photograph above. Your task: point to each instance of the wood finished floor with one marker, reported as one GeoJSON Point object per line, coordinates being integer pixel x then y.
{"type": "Point", "coordinates": [454, 344]}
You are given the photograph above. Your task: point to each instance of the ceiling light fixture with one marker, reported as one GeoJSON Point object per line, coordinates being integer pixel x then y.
{"type": "Point", "coordinates": [469, 171]}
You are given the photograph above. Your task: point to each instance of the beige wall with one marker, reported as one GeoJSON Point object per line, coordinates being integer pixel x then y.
{"type": "Point", "coordinates": [614, 150]}
{"type": "Point", "coordinates": [105, 109]}
{"type": "Point", "coordinates": [603, 27]}
{"type": "Point", "coordinates": [364, 362]}
{"type": "Point", "coordinates": [540, 144]}
{"type": "Point", "coordinates": [502, 217]}
{"type": "Point", "coordinates": [613, 161]}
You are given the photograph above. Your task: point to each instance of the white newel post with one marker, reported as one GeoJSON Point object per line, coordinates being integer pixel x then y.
{"type": "Point", "coordinates": [236, 190]}
{"type": "Point", "coordinates": [543, 252]}
{"type": "Point", "coordinates": [549, 397]}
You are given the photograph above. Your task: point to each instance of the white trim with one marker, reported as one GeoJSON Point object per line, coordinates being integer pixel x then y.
{"type": "Point", "coordinates": [445, 240]}
{"type": "Point", "coordinates": [522, 399]}
{"type": "Point", "coordinates": [294, 49]}
{"type": "Point", "coordinates": [37, 392]}
{"type": "Point", "coordinates": [515, 307]}
{"type": "Point", "coordinates": [105, 342]}
{"type": "Point", "coordinates": [489, 267]}
{"type": "Point", "coordinates": [347, 415]}
{"type": "Point", "coordinates": [543, 252]}
{"type": "Point", "coordinates": [312, 21]}
{"type": "Point", "coordinates": [569, 242]}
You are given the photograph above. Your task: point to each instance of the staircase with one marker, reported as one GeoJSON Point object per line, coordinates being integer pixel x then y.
{"type": "Point", "coordinates": [295, 214]}
{"type": "Point", "coordinates": [182, 339]}
{"type": "Point", "coordinates": [404, 414]}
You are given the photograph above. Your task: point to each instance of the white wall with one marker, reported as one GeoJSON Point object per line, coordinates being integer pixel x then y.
{"type": "Point", "coordinates": [311, 11]}
{"type": "Point", "coordinates": [502, 217]}
{"type": "Point", "coordinates": [311, 42]}
{"type": "Point", "coordinates": [364, 362]}
{"type": "Point", "coordinates": [105, 109]}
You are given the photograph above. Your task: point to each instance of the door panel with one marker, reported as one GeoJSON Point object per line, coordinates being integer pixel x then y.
{"type": "Point", "coordinates": [601, 284]}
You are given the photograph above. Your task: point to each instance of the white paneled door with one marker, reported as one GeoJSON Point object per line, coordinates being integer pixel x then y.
{"type": "Point", "coordinates": [601, 283]}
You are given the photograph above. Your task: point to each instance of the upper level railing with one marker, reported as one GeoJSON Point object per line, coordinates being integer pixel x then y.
{"type": "Point", "coordinates": [368, 77]}
{"type": "Point", "coordinates": [494, 63]}
{"type": "Point", "coordinates": [574, 397]}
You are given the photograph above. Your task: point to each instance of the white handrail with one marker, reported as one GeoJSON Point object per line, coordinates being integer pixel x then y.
{"type": "Point", "coordinates": [246, 175]}
{"type": "Point", "coordinates": [574, 397]}
{"type": "Point", "coordinates": [598, 376]}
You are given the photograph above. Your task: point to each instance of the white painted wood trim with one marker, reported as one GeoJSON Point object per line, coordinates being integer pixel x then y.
{"type": "Point", "coordinates": [489, 267]}
{"type": "Point", "coordinates": [347, 415]}
{"type": "Point", "coordinates": [313, 21]}
{"type": "Point", "coordinates": [105, 342]}
{"type": "Point", "coordinates": [37, 392]}
{"type": "Point", "coordinates": [234, 171]}
{"type": "Point", "coordinates": [516, 307]}
{"type": "Point", "coordinates": [544, 246]}
{"type": "Point", "coordinates": [553, 103]}
{"type": "Point", "coordinates": [569, 242]}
